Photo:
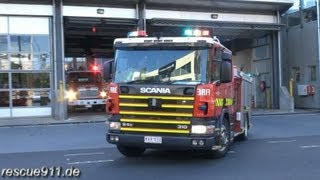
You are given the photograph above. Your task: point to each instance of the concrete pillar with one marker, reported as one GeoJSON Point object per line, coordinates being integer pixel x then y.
{"type": "Point", "coordinates": [141, 7]}
{"type": "Point", "coordinates": [275, 74]}
{"type": "Point", "coordinates": [60, 105]}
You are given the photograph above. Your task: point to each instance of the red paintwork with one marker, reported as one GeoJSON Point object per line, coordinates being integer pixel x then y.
{"type": "Point", "coordinates": [112, 103]}
{"type": "Point", "coordinates": [207, 99]}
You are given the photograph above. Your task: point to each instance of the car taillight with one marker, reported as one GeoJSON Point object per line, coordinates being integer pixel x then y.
{"type": "Point", "coordinates": [204, 103]}
{"type": "Point", "coordinates": [112, 103]}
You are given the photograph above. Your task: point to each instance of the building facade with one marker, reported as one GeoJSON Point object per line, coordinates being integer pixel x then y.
{"type": "Point", "coordinates": [36, 36]}
{"type": "Point", "coordinates": [301, 46]}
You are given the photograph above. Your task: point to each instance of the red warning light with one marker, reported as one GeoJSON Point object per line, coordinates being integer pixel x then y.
{"type": "Point", "coordinates": [94, 29]}
{"type": "Point", "coordinates": [95, 68]}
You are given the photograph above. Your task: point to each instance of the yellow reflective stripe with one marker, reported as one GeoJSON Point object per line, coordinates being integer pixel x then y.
{"type": "Point", "coordinates": [156, 113]}
{"type": "Point", "coordinates": [160, 97]}
{"type": "Point", "coordinates": [133, 104]}
{"type": "Point", "coordinates": [176, 106]}
{"type": "Point", "coordinates": [219, 102]}
{"type": "Point", "coordinates": [229, 101]}
{"type": "Point", "coordinates": [154, 121]}
{"type": "Point", "coordinates": [154, 130]}
{"type": "Point", "coordinates": [163, 105]}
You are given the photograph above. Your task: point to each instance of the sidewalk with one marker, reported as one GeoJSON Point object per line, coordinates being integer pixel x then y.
{"type": "Point", "coordinates": [34, 121]}
{"type": "Point", "coordinates": [262, 112]}
{"type": "Point", "coordinates": [101, 117]}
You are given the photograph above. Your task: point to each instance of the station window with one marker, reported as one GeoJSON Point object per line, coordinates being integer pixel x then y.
{"type": "Point", "coordinates": [25, 66]}
{"type": "Point", "coordinates": [310, 14]}
{"type": "Point", "coordinates": [312, 73]}
{"type": "Point", "coordinates": [4, 81]}
{"type": "Point", "coordinates": [4, 61]}
{"type": "Point", "coordinates": [3, 43]}
{"type": "Point", "coordinates": [261, 52]}
{"type": "Point", "coordinates": [3, 24]}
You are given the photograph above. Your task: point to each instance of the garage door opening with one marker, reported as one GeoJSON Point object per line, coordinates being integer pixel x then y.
{"type": "Point", "coordinates": [88, 61]}
{"type": "Point", "coordinates": [254, 47]}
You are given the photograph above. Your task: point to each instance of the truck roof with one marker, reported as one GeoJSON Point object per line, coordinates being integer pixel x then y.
{"type": "Point", "coordinates": [142, 40]}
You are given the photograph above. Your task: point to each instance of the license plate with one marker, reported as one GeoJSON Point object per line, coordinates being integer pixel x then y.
{"type": "Point", "coordinates": [153, 139]}
{"type": "Point", "coordinates": [88, 105]}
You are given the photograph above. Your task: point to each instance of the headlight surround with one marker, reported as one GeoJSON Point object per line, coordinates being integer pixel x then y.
{"type": "Point", "coordinates": [202, 129]}
{"type": "Point", "coordinates": [103, 94]}
{"type": "Point", "coordinates": [71, 95]}
{"type": "Point", "coordinates": [113, 125]}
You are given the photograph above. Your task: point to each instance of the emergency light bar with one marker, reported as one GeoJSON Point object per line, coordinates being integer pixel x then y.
{"type": "Point", "coordinates": [137, 34]}
{"type": "Point", "coordinates": [196, 32]}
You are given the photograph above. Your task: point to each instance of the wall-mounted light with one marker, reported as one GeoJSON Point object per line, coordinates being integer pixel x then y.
{"type": "Point", "coordinates": [100, 11]}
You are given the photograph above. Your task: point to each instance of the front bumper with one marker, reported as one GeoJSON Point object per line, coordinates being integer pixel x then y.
{"type": "Point", "coordinates": [168, 142]}
{"type": "Point", "coordinates": [87, 102]}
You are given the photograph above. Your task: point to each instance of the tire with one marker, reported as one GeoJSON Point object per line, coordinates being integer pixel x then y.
{"type": "Point", "coordinates": [244, 136]}
{"type": "Point", "coordinates": [224, 142]}
{"type": "Point", "coordinates": [130, 151]}
{"type": "Point", "coordinates": [71, 109]}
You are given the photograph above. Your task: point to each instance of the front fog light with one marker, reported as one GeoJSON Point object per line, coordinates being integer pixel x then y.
{"type": "Point", "coordinates": [114, 125]}
{"type": "Point", "coordinates": [116, 138]}
{"type": "Point", "coordinates": [198, 129]}
{"type": "Point", "coordinates": [201, 142]}
{"type": "Point", "coordinates": [194, 142]}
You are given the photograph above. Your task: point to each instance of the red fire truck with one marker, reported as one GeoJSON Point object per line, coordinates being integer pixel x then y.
{"type": "Point", "coordinates": [85, 89]}
{"type": "Point", "coordinates": [176, 93]}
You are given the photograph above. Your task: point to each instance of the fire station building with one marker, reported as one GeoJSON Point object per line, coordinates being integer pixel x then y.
{"type": "Point", "coordinates": [277, 41]}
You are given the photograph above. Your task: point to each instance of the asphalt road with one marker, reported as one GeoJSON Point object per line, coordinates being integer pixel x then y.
{"type": "Point", "coordinates": [279, 147]}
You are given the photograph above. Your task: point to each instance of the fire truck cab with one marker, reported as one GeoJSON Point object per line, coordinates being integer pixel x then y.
{"type": "Point", "coordinates": [85, 89]}
{"type": "Point", "coordinates": [176, 93]}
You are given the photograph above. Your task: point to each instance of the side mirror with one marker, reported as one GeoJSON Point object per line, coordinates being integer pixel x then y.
{"type": "Point", "coordinates": [226, 72]}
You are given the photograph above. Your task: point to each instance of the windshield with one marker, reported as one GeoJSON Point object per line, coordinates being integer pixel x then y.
{"type": "Point", "coordinates": [150, 66]}
{"type": "Point", "coordinates": [84, 77]}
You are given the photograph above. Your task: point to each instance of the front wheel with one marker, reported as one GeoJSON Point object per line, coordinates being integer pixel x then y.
{"type": "Point", "coordinates": [224, 140]}
{"type": "Point", "coordinates": [130, 151]}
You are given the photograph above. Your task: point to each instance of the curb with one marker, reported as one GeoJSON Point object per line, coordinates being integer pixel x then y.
{"type": "Point", "coordinates": [285, 113]}
{"type": "Point", "coordinates": [50, 124]}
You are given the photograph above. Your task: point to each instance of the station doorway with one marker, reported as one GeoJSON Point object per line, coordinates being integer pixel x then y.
{"type": "Point", "coordinates": [255, 52]}
{"type": "Point", "coordinates": [88, 61]}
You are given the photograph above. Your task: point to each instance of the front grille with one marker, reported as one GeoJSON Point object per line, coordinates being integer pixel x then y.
{"type": "Point", "coordinates": [88, 93]}
{"type": "Point", "coordinates": [166, 114]}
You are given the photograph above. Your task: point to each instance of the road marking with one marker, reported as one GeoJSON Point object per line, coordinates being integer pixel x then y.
{"type": "Point", "coordinates": [84, 154]}
{"type": "Point", "coordinates": [90, 162]}
{"type": "Point", "coordinates": [310, 146]}
{"type": "Point", "coordinates": [281, 141]}
{"type": "Point", "coordinates": [231, 152]}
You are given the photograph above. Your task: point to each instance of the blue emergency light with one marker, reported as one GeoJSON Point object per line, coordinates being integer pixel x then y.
{"type": "Point", "coordinates": [137, 34]}
{"type": "Point", "coordinates": [196, 32]}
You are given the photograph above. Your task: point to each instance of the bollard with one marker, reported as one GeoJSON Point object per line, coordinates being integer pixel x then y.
{"type": "Point", "coordinates": [61, 91]}
{"type": "Point", "coordinates": [291, 87]}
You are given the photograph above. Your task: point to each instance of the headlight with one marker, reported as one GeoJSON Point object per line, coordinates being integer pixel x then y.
{"type": "Point", "coordinates": [71, 95]}
{"type": "Point", "coordinates": [202, 129]}
{"type": "Point", "coordinates": [103, 94]}
{"type": "Point", "coordinates": [113, 125]}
